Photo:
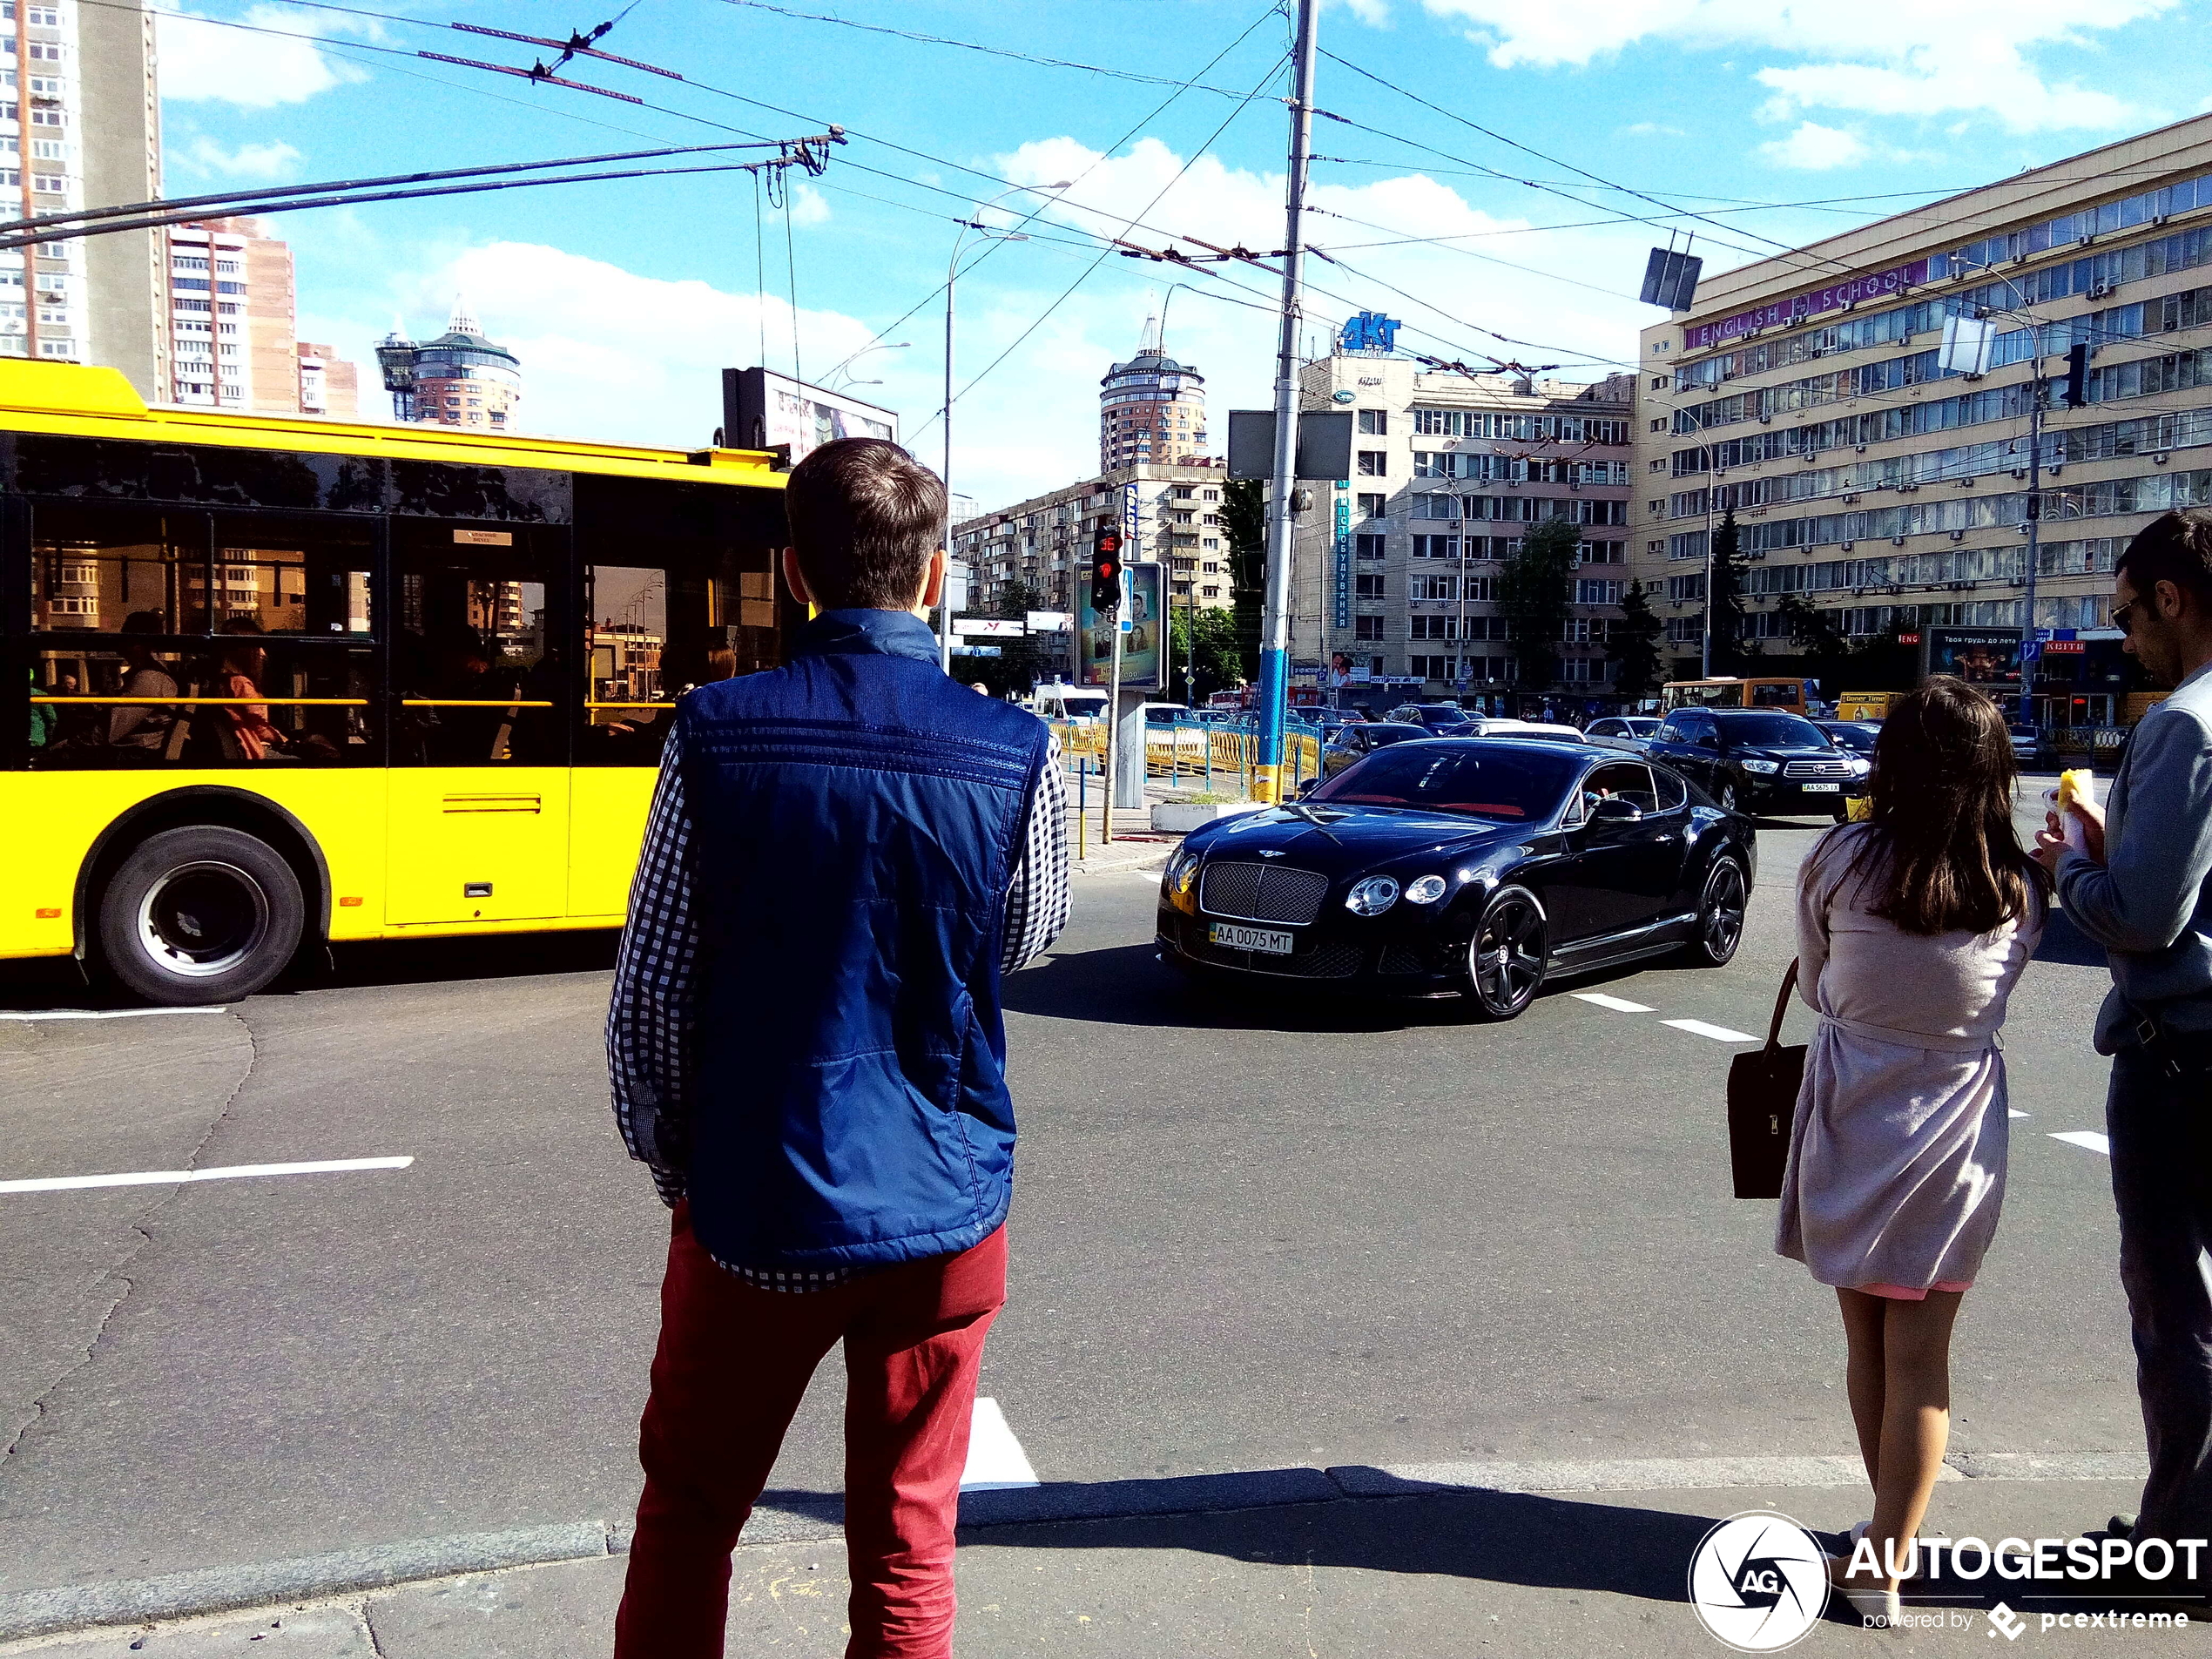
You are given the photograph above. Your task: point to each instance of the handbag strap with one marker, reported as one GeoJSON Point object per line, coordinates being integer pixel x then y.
{"type": "Point", "coordinates": [1781, 1002]}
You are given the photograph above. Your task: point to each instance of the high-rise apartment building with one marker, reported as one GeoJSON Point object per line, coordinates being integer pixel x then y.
{"type": "Point", "coordinates": [1396, 568]}
{"type": "Point", "coordinates": [1151, 409]}
{"type": "Point", "coordinates": [79, 125]}
{"type": "Point", "coordinates": [459, 379]}
{"type": "Point", "coordinates": [232, 316]}
{"type": "Point", "coordinates": [1172, 515]}
{"type": "Point", "coordinates": [1890, 493]}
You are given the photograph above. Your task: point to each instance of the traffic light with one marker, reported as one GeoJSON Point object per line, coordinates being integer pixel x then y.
{"type": "Point", "coordinates": [2077, 376]}
{"type": "Point", "coordinates": [1106, 571]}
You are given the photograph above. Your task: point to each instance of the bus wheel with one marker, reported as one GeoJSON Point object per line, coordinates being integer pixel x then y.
{"type": "Point", "coordinates": [203, 915]}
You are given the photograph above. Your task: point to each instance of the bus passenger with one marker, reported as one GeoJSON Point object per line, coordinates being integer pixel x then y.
{"type": "Point", "coordinates": [243, 664]}
{"type": "Point", "coordinates": [142, 730]}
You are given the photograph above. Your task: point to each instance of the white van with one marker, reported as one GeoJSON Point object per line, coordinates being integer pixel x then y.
{"type": "Point", "coordinates": [1081, 705]}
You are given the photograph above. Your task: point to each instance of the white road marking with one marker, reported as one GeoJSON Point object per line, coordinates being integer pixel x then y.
{"type": "Point", "coordinates": [1618, 1004]}
{"type": "Point", "coordinates": [2085, 1137]}
{"type": "Point", "coordinates": [2016, 1111]}
{"type": "Point", "coordinates": [100, 1013]}
{"type": "Point", "coordinates": [996, 1460]}
{"type": "Point", "coordinates": [1718, 1033]}
{"type": "Point", "coordinates": [229, 1172]}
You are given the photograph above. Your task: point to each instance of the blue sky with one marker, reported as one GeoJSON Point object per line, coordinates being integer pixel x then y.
{"type": "Point", "coordinates": [625, 301]}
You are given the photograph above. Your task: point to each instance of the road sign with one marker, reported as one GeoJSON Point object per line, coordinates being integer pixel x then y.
{"type": "Point", "coordinates": [2030, 650]}
{"type": "Point", "coordinates": [988, 628]}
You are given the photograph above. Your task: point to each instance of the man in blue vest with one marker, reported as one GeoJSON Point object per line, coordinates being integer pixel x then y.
{"type": "Point", "coordinates": [843, 857]}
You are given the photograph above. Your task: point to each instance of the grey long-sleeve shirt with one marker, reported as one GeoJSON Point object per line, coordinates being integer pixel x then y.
{"type": "Point", "coordinates": [2150, 903]}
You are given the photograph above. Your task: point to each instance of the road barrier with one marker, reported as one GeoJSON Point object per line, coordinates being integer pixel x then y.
{"type": "Point", "coordinates": [1206, 755]}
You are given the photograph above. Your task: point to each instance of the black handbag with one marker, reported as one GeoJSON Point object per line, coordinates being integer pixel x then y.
{"type": "Point", "coordinates": [1762, 1102]}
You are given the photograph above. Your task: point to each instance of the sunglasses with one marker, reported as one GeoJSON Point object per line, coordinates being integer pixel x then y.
{"type": "Point", "coordinates": [2119, 615]}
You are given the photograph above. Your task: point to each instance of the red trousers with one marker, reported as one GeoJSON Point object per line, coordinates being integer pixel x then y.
{"type": "Point", "coordinates": [732, 1364]}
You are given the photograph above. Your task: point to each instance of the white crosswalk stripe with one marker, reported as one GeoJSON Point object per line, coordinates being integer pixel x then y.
{"type": "Point", "coordinates": [996, 1460]}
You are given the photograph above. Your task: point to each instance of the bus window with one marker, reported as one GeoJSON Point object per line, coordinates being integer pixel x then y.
{"type": "Point", "coordinates": [1775, 694]}
{"type": "Point", "coordinates": [475, 653]}
{"type": "Point", "coordinates": [304, 576]}
{"type": "Point", "coordinates": [93, 565]}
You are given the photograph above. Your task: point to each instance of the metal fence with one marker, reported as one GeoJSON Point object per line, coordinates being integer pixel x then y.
{"type": "Point", "coordinates": [1195, 754]}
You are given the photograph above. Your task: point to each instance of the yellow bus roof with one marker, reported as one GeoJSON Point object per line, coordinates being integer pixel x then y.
{"type": "Point", "coordinates": [79, 399]}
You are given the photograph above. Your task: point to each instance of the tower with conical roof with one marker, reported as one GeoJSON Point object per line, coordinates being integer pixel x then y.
{"type": "Point", "coordinates": [459, 379]}
{"type": "Point", "coordinates": [1150, 408]}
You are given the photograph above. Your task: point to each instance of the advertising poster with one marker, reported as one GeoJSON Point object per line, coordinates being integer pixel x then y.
{"type": "Point", "coordinates": [762, 409]}
{"type": "Point", "coordinates": [1989, 657]}
{"type": "Point", "coordinates": [1142, 591]}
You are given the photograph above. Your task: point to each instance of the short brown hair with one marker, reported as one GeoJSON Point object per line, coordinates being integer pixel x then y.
{"type": "Point", "coordinates": [865, 517]}
{"type": "Point", "coordinates": [2175, 546]}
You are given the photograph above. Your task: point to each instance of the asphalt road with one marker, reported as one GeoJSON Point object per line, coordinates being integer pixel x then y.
{"type": "Point", "coordinates": [1247, 1233]}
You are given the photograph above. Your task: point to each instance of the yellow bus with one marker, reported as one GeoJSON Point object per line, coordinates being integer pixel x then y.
{"type": "Point", "coordinates": [267, 682]}
{"type": "Point", "coordinates": [1727, 691]}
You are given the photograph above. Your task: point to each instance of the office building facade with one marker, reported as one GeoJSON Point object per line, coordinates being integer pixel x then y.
{"type": "Point", "coordinates": [1396, 567]}
{"type": "Point", "coordinates": [1889, 493]}
{"type": "Point", "coordinates": [232, 315]}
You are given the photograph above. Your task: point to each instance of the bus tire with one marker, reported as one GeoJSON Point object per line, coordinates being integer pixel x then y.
{"type": "Point", "coordinates": [200, 915]}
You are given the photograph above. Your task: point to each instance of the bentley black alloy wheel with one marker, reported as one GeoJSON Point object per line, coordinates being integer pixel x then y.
{"type": "Point", "coordinates": [1720, 914]}
{"type": "Point", "coordinates": [1505, 959]}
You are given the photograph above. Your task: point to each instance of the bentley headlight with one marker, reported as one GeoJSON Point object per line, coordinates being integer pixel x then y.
{"type": "Point", "coordinates": [1426, 890]}
{"type": "Point", "coordinates": [1371, 897]}
{"type": "Point", "coordinates": [1182, 871]}
{"type": "Point", "coordinates": [1762, 766]}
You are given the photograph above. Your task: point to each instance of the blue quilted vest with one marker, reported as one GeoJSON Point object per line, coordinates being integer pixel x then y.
{"type": "Point", "coordinates": [857, 818]}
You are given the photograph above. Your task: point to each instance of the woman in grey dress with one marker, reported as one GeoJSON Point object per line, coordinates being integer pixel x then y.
{"type": "Point", "coordinates": [1912, 929]}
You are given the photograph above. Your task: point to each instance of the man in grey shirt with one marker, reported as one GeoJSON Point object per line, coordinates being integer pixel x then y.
{"type": "Point", "coordinates": [2143, 890]}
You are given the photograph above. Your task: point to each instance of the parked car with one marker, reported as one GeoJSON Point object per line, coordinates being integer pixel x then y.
{"type": "Point", "coordinates": [1623, 730]}
{"type": "Point", "coordinates": [1351, 744]}
{"type": "Point", "coordinates": [1855, 736]}
{"type": "Point", "coordinates": [1761, 760]}
{"type": "Point", "coordinates": [1476, 867]}
{"type": "Point", "coordinates": [1444, 720]}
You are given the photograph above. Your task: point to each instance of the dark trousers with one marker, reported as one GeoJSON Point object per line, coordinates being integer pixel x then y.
{"type": "Point", "coordinates": [730, 1368]}
{"type": "Point", "coordinates": [2160, 1128]}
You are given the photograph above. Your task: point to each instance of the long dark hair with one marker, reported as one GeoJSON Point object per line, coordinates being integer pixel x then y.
{"type": "Point", "coordinates": [1943, 855]}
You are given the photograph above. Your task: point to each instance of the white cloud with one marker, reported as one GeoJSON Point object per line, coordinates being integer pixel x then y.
{"type": "Point", "coordinates": [1652, 129]}
{"type": "Point", "coordinates": [1880, 57]}
{"type": "Point", "coordinates": [1374, 13]}
{"type": "Point", "coordinates": [247, 161]}
{"type": "Point", "coordinates": [808, 204]}
{"type": "Point", "coordinates": [204, 61]}
{"type": "Point", "coordinates": [1814, 148]}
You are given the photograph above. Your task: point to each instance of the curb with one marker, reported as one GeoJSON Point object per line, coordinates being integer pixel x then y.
{"type": "Point", "coordinates": [796, 1517]}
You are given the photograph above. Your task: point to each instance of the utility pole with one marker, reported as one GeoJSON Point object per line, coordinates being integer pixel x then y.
{"type": "Point", "coordinates": [944, 609]}
{"type": "Point", "coordinates": [2031, 649]}
{"type": "Point", "coordinates": [1282, 510]}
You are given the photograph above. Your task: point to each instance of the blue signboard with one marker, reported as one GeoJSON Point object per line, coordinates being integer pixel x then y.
{"type": "Point", "coordinates": [1367, 331]}
{"type": "Point", "coordinates": [1344, 556]}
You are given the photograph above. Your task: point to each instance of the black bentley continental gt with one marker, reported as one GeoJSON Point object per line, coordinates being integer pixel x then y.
{"type": "Point", "coordinates": [1469, 865]}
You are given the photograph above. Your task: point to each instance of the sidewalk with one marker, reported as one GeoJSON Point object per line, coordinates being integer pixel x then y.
{"type": "Point", "coordinates": [1302, 1561]}
{"type": "Point", "coordinates": [1135, 845]}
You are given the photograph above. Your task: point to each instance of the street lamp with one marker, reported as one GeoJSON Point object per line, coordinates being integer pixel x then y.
{"type": "Point", "coordinates": [952, 274]}
{"type": "Point", "coordinates": [842, 367]}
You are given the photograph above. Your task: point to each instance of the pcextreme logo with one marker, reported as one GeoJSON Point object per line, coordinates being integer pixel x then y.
{"type": "Point", "coordinates": [1759, 1582]}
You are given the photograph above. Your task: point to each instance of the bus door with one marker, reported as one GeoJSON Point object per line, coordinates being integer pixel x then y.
{"type": "Point", "coordinates": [478, 798]}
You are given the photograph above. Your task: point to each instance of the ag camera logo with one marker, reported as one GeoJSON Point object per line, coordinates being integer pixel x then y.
{"type": "Point", "coordinates": [1759, 1582]}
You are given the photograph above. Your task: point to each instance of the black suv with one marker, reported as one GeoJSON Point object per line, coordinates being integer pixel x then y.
{"type": "Point", "coordinates": [1761, 760]}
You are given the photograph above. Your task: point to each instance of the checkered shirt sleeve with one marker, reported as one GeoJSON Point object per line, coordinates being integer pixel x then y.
{"type": "Point", "coordinates": [651, 1017]}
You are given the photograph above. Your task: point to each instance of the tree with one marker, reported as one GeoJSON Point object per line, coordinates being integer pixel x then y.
{"type": "Point", "coordinates": [1724, 597]}
{"type": "Point", "coordinates": [1021, 662]}
{"type": "Point", "coordinates": [1219, 667]}
{"type": "Point", "coordinates": [1635, 645]}
{"type": "Point", "coordinates": [1534, 590]}
{"type": "Point", "coordinates": [1244, 520]}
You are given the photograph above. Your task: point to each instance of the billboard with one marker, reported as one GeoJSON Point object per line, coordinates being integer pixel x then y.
{"type": "Point", "coordinates": [764, 411]}
{"type": "Point", "coordinates": [1989, 657]}
{"type": "Point", "coordinates": [1141, 609]}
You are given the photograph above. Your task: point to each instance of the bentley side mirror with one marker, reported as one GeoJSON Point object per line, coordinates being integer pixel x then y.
{"type": "Point", "coordinates": [1612, 809]}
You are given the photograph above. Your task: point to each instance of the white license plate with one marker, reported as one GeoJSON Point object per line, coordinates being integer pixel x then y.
{"type": "Point", "coordinates": [1264, 939]}
{"type": "Point", "coordinates": [1820, 789]}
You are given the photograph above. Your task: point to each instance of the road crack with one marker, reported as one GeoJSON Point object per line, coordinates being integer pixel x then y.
{"type": "Point", "coordinates": [142, 1225]}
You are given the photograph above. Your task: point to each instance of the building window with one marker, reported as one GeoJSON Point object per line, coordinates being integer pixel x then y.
{"type": "Point", "coordinates": [1367, 546]}
{"type": "Point", "coordinates": [1658, 426]}
{"type": "Point", "coordinates": [1185, 492]}
{"type": "Point", "coordinates": [1373, 506]}
{"type": "Point", "coordinates": [1374, 422]}
{"type": "Point", "coordinates": [1374, 463]}
{"type": "Point", "coordinates": [1209, 494]}
{"type": "Point", "coordinates": [1366, 627]}
{"type": "Point", "coordinates": [1211, 590]}
{"type": "Point", "coordinates": [1368, 585]}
